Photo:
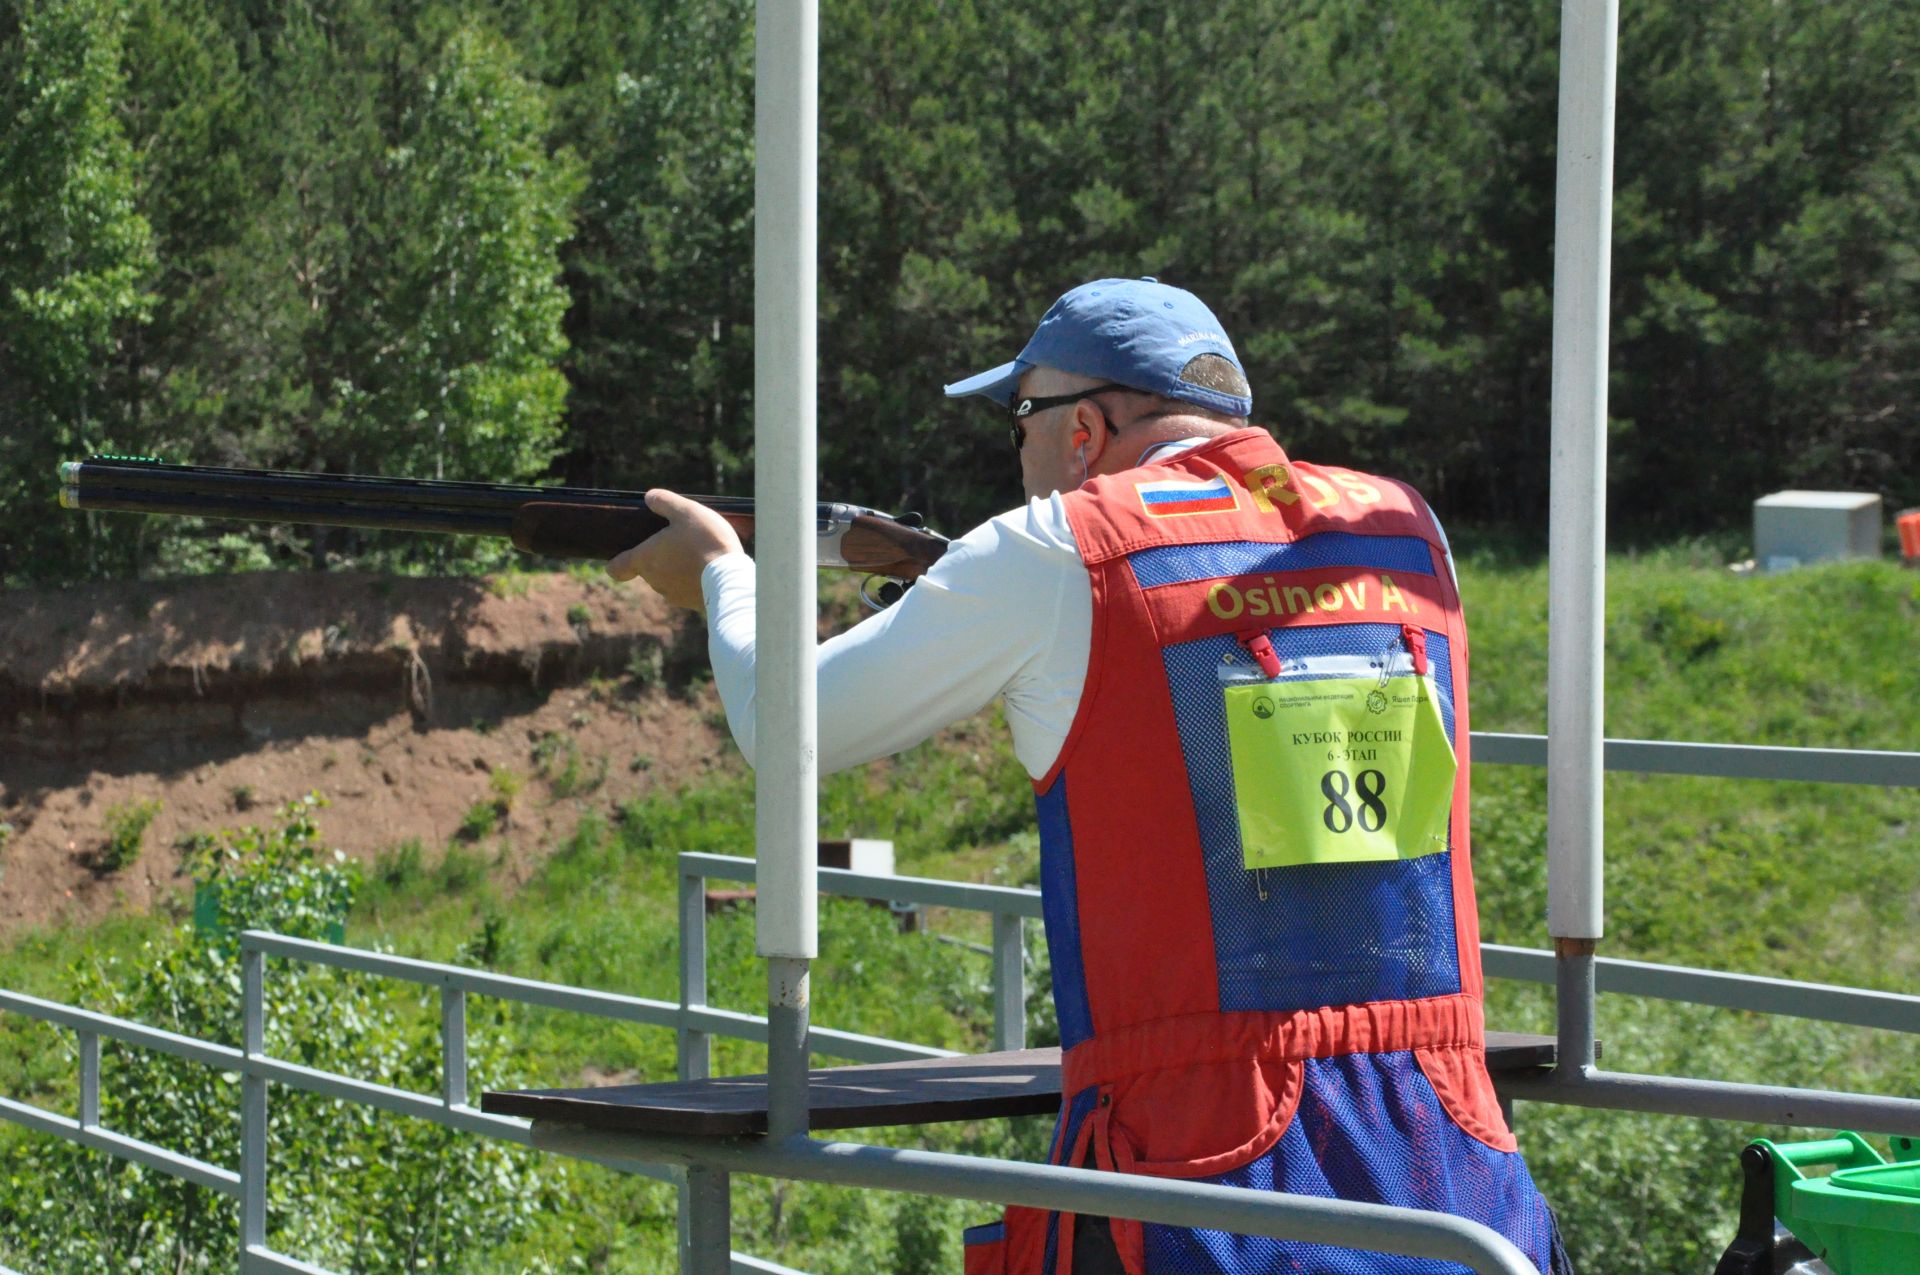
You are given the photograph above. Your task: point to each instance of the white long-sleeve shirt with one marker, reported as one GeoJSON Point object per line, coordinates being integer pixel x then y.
{"type": "Point", "coordinates": [1007, 611]}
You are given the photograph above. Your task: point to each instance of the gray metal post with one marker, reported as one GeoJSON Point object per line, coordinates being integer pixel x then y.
{"type": "Point", "coordinates": [786, 739]}
{"type": "Point", "coordinates": [696, 1050]}
{"type": "Point", "coordinates": [707, 1237]}
{"type": "Point", "coordinates": [1574, 996]}
{"type": "Point", "coordinates": [695, 1047]}
{"type": "Point", "coordinates": [89, 1080]}
{"type": "Point", "coordinates": [253, 1106]}
{"type": "Point", "coordinates": [1009, 982]}
{"type": "Point", "coordinates": [787, 1054]}
{"type": "Point", "coordinates": [1577, 524]}
{"type": "Point", "coordinates": [453, 1046]}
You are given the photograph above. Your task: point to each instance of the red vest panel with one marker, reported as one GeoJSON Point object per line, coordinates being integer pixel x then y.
{"type": "Point", "coordinates": [1312, 1027]}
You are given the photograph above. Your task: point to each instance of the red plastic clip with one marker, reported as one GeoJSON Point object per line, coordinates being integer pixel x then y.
{"type": "Point", "coordinates": [1260, 647]}
{"type": "Point", "coordinates": [1416, 639]}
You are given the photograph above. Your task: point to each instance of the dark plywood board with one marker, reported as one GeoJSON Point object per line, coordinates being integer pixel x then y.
{"type": "Point", "coordinates": [1007, 1084]}
{"type": "Point", "coordinates": [904, 1093]}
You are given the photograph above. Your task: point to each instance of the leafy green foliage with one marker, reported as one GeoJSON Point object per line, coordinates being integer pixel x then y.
{"type": "Point", "coordinates": [126, 827]}
{"type": "Point", "coordinates": [74, 265]}
{"type": "Point", "coordinates": [348, 1189]}
{"type": "Point", "coordinates": [481, 818]}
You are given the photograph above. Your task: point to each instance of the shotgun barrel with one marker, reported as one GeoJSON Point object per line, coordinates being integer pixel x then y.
{"type": "Point", "coordinates": [558, 522]}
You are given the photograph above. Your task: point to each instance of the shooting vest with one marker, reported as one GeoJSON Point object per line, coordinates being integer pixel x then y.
{"type": "Point", "coordinates": [1255, 870]}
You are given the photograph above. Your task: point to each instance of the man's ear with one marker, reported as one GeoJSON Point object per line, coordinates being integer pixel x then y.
{"type": "Point", "coordinates": [1090, 431]}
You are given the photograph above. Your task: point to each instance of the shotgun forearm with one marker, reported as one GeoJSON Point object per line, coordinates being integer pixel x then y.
{"type": "Point", "coordinates": [558, 522]}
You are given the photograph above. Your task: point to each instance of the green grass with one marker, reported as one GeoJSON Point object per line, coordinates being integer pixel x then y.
{"type": "Point", "coordinates": [1799, 880]}
{"type": "Point", "coordinates": [1748, 875]}
{"type": "Point", "coordinates": [1794, 880]}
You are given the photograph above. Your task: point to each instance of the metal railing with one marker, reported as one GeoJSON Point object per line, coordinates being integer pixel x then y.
{"type": "Point", "coordinates": [1718, 761]}
{"type": "Point", "coordinates": [248, 1184]}
{"type": "Point", "coordinates": [696, 1022]}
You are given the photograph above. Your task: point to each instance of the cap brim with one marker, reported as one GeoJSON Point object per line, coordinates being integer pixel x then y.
{"type": "Point", "coordinates": [998, 384]}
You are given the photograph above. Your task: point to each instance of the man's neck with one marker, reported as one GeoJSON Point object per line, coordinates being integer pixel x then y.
{"type": "Point", "coordinates": [1180, 432]}
{"type": "Point", "coordinates": [1167, 446]}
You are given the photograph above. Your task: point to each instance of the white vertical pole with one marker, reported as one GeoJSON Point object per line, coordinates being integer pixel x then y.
{"type": "Point", "coordinates": [1577, 527]}
{"type": "Point", "coordinates": [786, 115]}
{"type": "Point", "coordinates": [1577, 521]}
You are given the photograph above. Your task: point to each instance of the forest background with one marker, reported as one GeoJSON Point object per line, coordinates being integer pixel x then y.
{"type": "Point", "coordinates": [508, 239]}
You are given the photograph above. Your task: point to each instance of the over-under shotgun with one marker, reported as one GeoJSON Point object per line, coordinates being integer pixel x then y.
{"type": "Point", "coordinates": [556, 522]}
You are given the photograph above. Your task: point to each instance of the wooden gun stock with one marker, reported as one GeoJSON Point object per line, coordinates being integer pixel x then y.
{"type": "Point", "coordinates": [872, 543]}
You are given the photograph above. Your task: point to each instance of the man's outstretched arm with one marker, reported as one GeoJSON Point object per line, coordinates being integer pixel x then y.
{"type": "Point", "coordinates": [1005, 611]}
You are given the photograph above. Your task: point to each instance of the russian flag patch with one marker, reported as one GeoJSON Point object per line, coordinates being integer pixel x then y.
{"type": "Point", "coordinates": [1178, 497]}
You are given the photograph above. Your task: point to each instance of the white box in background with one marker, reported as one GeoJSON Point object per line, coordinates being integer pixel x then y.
{"type": "Point", "coordinates": [860, 854]}
{"type": "Point", "coordinates": [1795, 527]}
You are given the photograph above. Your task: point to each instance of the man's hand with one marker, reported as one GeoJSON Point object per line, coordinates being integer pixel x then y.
{"type": "Point", "coordinates": [672, 559]}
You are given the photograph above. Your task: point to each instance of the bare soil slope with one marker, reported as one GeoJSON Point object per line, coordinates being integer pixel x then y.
{"type": "Point", "coordinates": [396, 698]}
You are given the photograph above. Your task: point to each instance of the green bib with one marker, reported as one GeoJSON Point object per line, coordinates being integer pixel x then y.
{"type": "Point", "coordinates": [1339, 770]}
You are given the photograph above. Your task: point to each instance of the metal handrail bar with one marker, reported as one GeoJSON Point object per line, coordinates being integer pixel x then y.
{"type": "Point", "coordinates": [1172, 1201]}
{"type": "Point", "coordinates": [1718, 1100]}
{"type": "Point", "coordinates": [633, 1009]}
{"type": "Point", "coordinates": [260, 1260]}
{"type": "Point", "coordinates": [401, 1102]}
{"type": "Point", "coordinates": [91, 1025]}
{"type": "Point", "coordinates": [743, 1265]}
{"type": "Point", "coordinates": [822, 1040]}
{"type": "Point", "coordinates": [528, 991]}
{"type": "Point", "coordinates": [931, 891]}
{"type": "Point", "coordinates": [172, 1163]}
{"type": "Point", "coordinates": [1879, 768]}
{"type": "Point", "coordinates": [220, 1057]}
{"type": "Point", "coordinates": [1789, 998]}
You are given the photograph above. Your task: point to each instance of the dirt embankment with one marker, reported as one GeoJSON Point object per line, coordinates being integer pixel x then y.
{"type": "Point", "coordinates": [407, 702]}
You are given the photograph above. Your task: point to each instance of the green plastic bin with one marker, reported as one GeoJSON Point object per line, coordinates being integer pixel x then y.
{"type": "Point", "coordinates": [1863, 1218]}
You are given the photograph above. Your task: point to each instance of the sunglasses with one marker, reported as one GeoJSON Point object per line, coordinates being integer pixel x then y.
{"type": "Point", "coordinates": [1021, 408]}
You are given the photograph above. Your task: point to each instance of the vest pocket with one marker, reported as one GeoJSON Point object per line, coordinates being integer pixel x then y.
{"type": "Point", "coordinates": [1458, 1074]}
{"type": "Point", "coordinates": [986, 1249]}
{"type": "Point", "coordinates": [1015, 1245]}
{"type": "Point", "coordinates": [1202, 1120]}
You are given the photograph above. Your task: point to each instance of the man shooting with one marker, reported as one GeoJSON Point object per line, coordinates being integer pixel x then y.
{"type": "Point", "coordinates": [1239, 684]}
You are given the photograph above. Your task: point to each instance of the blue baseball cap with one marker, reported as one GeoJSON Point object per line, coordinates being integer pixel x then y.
{"type": "Point", "coordinates": [1139, 333]}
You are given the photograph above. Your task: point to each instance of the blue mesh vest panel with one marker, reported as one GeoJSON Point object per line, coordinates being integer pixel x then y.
{"type": "Point", "coordinates": [1325, 934]}
{"type": "Point", "coordinates": [1369, 1127]}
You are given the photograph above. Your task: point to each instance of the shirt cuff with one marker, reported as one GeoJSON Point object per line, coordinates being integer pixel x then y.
{"type": "Point", "coordinates": [725, 574]}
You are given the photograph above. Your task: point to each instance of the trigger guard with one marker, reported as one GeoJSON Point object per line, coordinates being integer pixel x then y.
{"type": "Point", "coordinates": [881, 592]}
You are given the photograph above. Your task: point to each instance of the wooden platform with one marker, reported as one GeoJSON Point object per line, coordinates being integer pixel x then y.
{"type": "Point", "coordinates": [1025, 1083]}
